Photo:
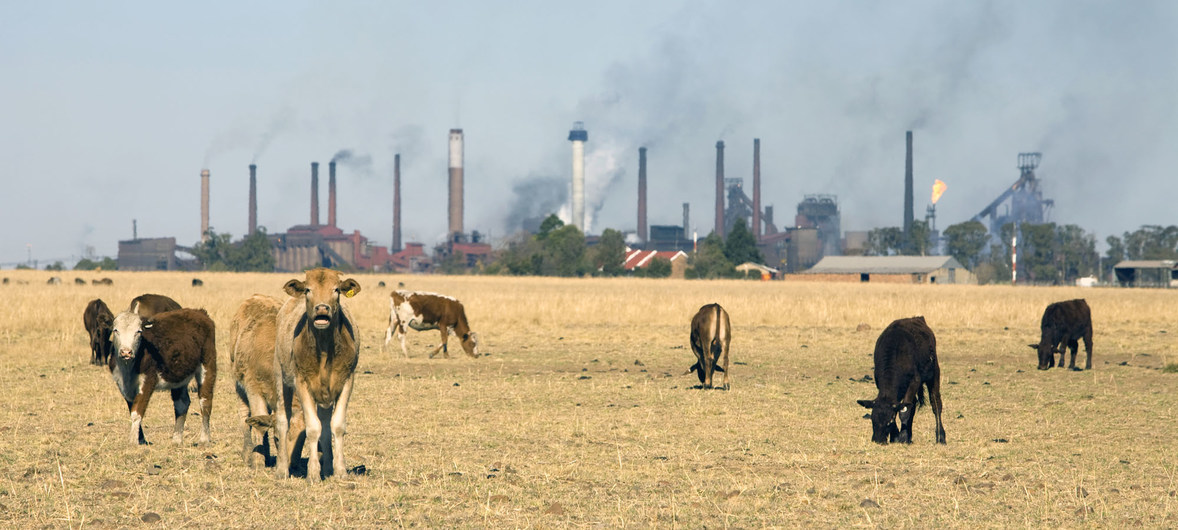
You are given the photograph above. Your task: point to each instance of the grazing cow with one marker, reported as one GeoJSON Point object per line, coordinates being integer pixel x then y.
{"type": "Point", "coordinates": [251, 339]}
{"type": "Point", "coordinates": [426, 311]}
{"type": "Point", "coordinates": [98, 320]}
{"type": "Point", "coordinates": [1064, 323]}
{"type": "Point", "coordinates": [55, 280]}
{"type": "Point", "coordinates": [79, 281]}
{"type": "Point", "coordinates": [316, 351]}
{"type": "Point", "coordinates": [104, 281]}
{"type": "Point", "coordinates": [905, 363]}
{"type": "Point", "coordinates": [197, 282]}
{"type": "Point", "coordinates": [164, 352]}
{"type": "Point", "coordinates": [711, 332]}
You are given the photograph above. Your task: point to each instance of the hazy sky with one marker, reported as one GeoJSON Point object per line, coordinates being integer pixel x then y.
{"type": "Point", "coordinates": [109, 110]}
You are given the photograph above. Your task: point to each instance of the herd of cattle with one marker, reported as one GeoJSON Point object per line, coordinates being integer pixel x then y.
{"type": "Point", "coordinates": [294, 359]}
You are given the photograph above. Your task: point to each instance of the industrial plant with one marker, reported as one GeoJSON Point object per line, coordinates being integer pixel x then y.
{"type": "Point", "coordinates": [815, 231]}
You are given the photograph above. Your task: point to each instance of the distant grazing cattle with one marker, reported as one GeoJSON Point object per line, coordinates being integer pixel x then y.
{"type": "Point", "coordinates": [1064, 323]}
{"type": "Point", "coordinates": [104, 281]}
{"type": "Point", "coordinates": [97, 319]}
{"type": "Point", "coordinates": [54, 281]}
{"type": "Point", "coordinates": [197, 282]}
{"type": "Point", "coordinates": [711, 333]}
{"type": "Point", "coordinates": [380, 284]}
{"type": "Point", "coordinates": [251, 338]}
{"type": "Point", "coordinates": [149, 304]}
{"type": "Point", "coordinates": [905, 363]}
{"type": "Point", "coordinates": [5, 281]}
{"type": "Point", "coordinates": [164, 352]}
{"type": "Point", "coordinates": [316, 352]}
{"type": "Point", "coordinates": [79, 281]}
{"type": "Point", "coordinates": [426, 311]}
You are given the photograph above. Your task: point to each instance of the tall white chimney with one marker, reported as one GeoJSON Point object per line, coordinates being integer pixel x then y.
{"type": "Point", "coordinates": [455, 183]}
{"type": "Point", "coordinates": [578, 136]}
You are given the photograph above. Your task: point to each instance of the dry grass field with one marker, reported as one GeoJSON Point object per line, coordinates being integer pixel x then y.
{"type": "Point", "coordinates": [580, 415]}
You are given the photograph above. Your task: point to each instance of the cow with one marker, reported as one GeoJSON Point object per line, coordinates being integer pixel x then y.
{"type": "Point", "coordinates": [104, 281]}
{"type": "Point", "coordinates": [251, 339]}
{"type": "Point", "coordinates": [426, 311]}
{"type": "Point", "coordinates": [711, 333]}
{"type": "Point", "coordinates": [164, 352]}
{"type": "Point", "coordinates": [905, 363]}
{"type": "Point", "coordinates": [55, 280]}
{"type": "Point", "coordinates": [97, 319]}
{"type": "Point", "coordinates": [315, 353]}
{"type": "Point", "coordinates": [1063, 324]}
{"type": "Point", "coordinates": [197, 282]}
{"type": "Point", "coordinates": [146, 305]}
{"type": "Point", "coordinates": [79, 281]}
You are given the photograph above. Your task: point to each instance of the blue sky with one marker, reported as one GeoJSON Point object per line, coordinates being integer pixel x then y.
{"type": "Point", "coordinates": [108, 111]}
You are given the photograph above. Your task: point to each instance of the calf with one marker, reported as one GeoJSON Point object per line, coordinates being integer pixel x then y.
{"type": "Point", "coordinates": [905, 363]}
{"type": "Point", "coordinates": [711, 333]}
{"type": "Point", "coordinates": [97, 320]}
{"type": "Point", "coordinates": [251, 338]}
{"type": "Point", "coordinates": [1064, 323]}
{"type": "Point", "coordinates": [315, 354]}
{"type": "Point", "coordinates": [164, 352]}
{"type": "Point", "coordinates": [426, 311]}
{"type": "Point", "coordinates": [146, 305]}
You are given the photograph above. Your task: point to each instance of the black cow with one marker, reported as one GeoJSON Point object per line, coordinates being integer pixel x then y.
{"type": "Point", "coordinates": [905, 363]}
{"type": "Point", "coordinates": [97, 319]}
{"type": "Point", "coordinates": [1065, 323]}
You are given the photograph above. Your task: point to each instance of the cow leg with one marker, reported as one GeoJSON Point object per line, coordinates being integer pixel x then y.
{"type": "Point", "coordinates": [1073, 345]}
{"type": "Point", "coordinates": [139, 408]}
{"type": "Point", "coordinates": [441, 347]}
{"type": "Point", "coordinates": [314, 428]}
{"type": "Point", "coordinates": [326, 451]}
{"type": "Point", "coordinates": [208, 375]}
{"type": "Point", "coordinates": [247, 444]}
{"type": "Point", "coordinates": [180, 402]}
{"type": "Point", "coordinates": [404, 336]}
{"type": "Point", "coordinates": [282, 415]}
{"type": "Point", "coordinates": [723, 363]}
{"type": "Point", "coordinates": [339, 427]}
{"type": "Point", "coordinates": [1088, 349]}
{"type": "Point", "coordinates": [255, 407]}
{"type": "Point", "coordinates": [934, 397]}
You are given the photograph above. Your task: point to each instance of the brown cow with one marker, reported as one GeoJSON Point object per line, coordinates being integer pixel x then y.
{"type": "Point", "coordinates": [146, 305]}
{"type": "Point", "coordinates": [98, 319]}
{"type": "Point", "coordinates": [905, 363]}
{"type": "Point", "coordinates": [1064, 324]}
{"type": "Point", "coordinates": [251, 339]}
{"type": "Point", "coordinates": [426, 311]}
{"type": "Point", "coordinates": [164, 352]}
{"type": "Point", "coordinates": [711, 333]}
{"type": "Point", "coordinates": [316, 353]}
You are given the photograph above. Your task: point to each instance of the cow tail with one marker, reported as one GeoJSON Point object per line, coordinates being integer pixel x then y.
{"type": "Point", "coordinates": [716, 347]}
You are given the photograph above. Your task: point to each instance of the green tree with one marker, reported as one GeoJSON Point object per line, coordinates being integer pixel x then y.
{"type": "Point", "coordinates": [741, 246]}
{"type": "Point", "coordinates": [86, 264]}
{"type": "Point", "coordinates": [921, 239]}
{"type": "Point", "coordinates": [55, 266]}
{"type": "Point", "coordinates": [966, 241]}
{"type": "Point", "coordinates": [710, 261]}
{"type": "Point", "coordinates": [610, 253]}
{"type": "Point", "coordinates": [657, 268]}
{"type": "Point", "coordinates": [455, 263]}
{"type": "Point", "coordinates": [885, 241]}
{"type": "Point", "coordinates": [550, 223]}
{"type": "Point", "coordinates": [564, 252]}
{"type": "Point", "coordinates": [522, 256]}
{"type": "Point", "coordinates": [218, 253]}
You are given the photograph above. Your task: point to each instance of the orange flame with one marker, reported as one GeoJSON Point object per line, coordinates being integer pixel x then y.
{"type": "Point", "coordinates": [938, 189]}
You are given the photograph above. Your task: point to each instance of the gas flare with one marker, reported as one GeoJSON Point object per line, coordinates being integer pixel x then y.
{"type": "Point", "coordinates": [938, 189]}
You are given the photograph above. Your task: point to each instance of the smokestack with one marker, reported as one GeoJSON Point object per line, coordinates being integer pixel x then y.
{"type": "Point", "coordinates": [768, 215]}
{"type": "Point", "coordinates": [204, 204]}
{"type": "Point", "coordinates": [720, 188]}
{"type": "Point", "coordinates": [135, 229]}
{"type": "Point", "coordinates": [686, 219]}
{"type": "Point", "coordinates": [757, 189]}
{"type": "Point", "coordinates": [642, 232]}
{"type": "Point", "coordinates": [314, 193]}
{"type": "Point", "coordinates": [397, 202]}
{"type": "Point", "coordinates": [253, 207]}
{"type": "Point", "coordinates": [908, 213]}
{"type": "Point", "coordinates": [331, 193]}
{"type": "Point", "coordinates": [455, 182]}
{"type": "Point", "coordinates": [578, 136]}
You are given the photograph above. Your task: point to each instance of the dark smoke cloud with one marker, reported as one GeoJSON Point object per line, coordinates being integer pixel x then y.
{"type": "Point", "coordinates": [360, 164]}
{"type": "Point", "coordinates": [282, 122]}
{"type": "Point", "coordinates": [534, 196]}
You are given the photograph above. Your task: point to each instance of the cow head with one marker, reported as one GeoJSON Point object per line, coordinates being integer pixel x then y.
{"type": "Point", "coordinates": [883, 421]}
{"type": "Point", "coordinates": [322, 290]}
{"type": "Point", "coordinates": [1046, 354]}
{"type": "Point", "coordinates": [470, 343]}
{"type": "Point", "coordinates": [126, 334]}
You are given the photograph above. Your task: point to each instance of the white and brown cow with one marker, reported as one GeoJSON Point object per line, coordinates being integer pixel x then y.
{"type": "Point", "coordinates": [251, 339]}
{"type": "Point", "coordinates": [316, 351]}
{"type": "Point", "coordinates": [164, 352]}
{"type": "Point", "coordinates": [426, 311]}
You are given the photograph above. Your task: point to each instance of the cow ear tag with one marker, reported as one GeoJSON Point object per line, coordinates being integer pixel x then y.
{"type": "Point", "coordinates": [350, 293]}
